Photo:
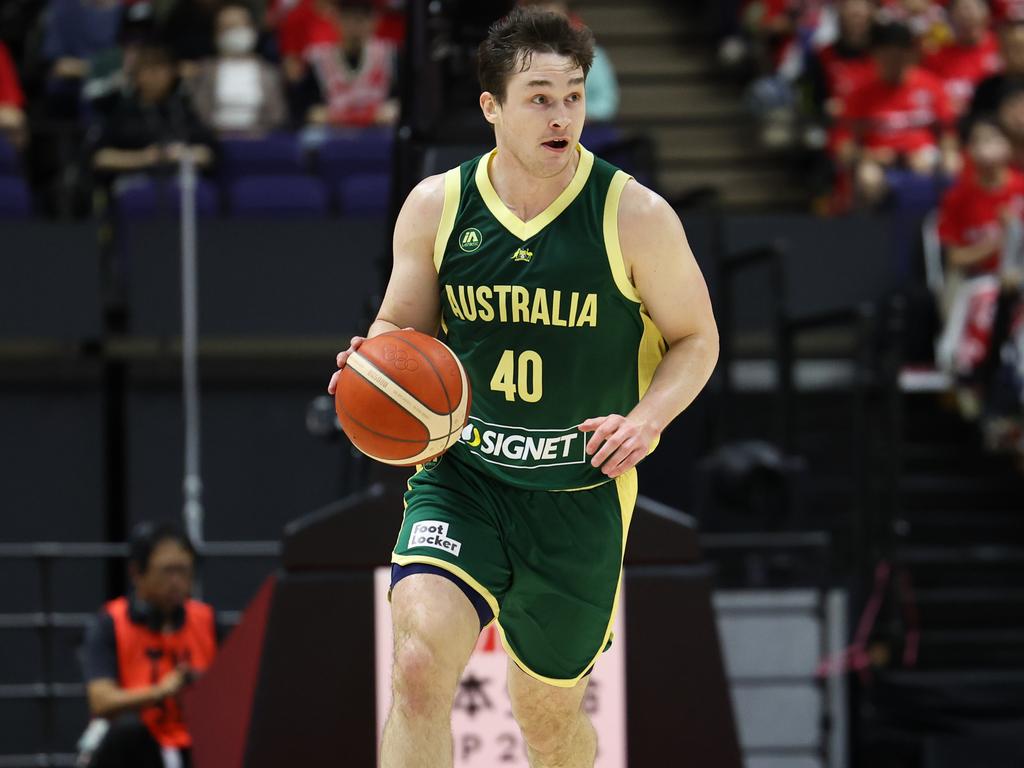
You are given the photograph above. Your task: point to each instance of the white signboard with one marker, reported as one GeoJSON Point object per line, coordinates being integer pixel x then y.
{"type": "Point", "coordinates": [486, 735]}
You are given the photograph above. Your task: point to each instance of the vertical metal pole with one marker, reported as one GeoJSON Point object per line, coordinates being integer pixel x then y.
{"type": "Point", "coordinates": [193, 485]}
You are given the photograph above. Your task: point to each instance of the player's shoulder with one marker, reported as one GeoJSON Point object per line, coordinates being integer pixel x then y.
{"type": "Point", "coordinates": [425, 202]}
{"type": "Point", "coordinates": [641, 208]}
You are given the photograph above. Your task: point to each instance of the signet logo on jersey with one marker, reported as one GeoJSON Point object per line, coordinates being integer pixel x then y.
{"type": "Point", "coordinates": [522, 448]}
{"type": "Point", "coordinates": [470, 239]}
{"type": "Point", "coordinates": [433, 533]}
{"type": "Point", "coordinates": [522, 254]}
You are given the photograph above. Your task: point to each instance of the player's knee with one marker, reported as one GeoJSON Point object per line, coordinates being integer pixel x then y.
{"type": "Point", "coordinates": [420, 686]}
{"type": "Point", "coordinates": [548, 734]}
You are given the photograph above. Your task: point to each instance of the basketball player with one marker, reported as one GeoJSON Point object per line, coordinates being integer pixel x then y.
{"type": "Point", "coordinates": [571, 296]}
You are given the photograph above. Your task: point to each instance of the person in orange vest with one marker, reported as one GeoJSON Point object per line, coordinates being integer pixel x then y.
{"type": "Point", "coordinates": [142, 650]}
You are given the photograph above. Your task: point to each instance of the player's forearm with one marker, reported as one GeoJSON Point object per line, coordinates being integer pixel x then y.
{"type": "Point", "coordinates": [678, 379]}
{"type": "Point", "coordinates": [380, 326]}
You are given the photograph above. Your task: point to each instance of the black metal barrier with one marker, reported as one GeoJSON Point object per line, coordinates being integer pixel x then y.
{"type": "Point", "coordinates": [47, 692]}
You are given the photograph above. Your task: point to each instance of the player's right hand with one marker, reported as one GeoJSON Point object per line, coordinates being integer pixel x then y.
{"type": "Point", "coordinates": [342, 359]}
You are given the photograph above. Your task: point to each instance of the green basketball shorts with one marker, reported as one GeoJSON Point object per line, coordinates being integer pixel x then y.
{"type": "Point", "coordinates": [548, 563]}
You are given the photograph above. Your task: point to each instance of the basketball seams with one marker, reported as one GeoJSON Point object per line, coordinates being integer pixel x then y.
{"type": "Point", "coordinates": [340, 404]}
{"type": "Point", "coordinates": [437, 373]}
{"type": "Point", "coordinates": [400, 396]}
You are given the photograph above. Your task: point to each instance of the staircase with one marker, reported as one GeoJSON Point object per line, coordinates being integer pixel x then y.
{"type": "Point", "coordinates": [959, 536]}
{"type": "Point", "coordinates": [672, 91]}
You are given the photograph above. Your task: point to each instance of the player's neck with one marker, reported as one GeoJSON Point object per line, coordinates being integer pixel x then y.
{"type": "Point", "coordinates": [523, 193]}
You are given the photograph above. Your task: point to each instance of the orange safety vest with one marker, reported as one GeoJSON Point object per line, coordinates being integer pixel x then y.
{"type": "Point", "coordinates": [145, 656]}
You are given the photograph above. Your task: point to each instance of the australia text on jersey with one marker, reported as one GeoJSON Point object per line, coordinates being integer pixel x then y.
{"type": "Point", "coordinates": [518, 304]}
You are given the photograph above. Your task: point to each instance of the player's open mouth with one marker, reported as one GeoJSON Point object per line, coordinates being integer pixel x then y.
{"type": "Point", "coordinates": [557, 145]}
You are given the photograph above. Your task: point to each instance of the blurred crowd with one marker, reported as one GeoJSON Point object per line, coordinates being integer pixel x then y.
{"type": "Point", "coordinates": [91, 90]}
{"type": "Point", "coordinates": [914, 107]}
{"type": "Point", "coordinates": [110, 86]}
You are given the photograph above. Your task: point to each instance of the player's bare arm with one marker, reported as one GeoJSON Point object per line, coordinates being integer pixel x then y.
{"type": "Point", "coordinates": [663, 270]}
{"type": "Point", "coordinates": [411, 299]}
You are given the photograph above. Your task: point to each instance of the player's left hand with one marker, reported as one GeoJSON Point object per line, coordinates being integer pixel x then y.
{"type": "Point", "coordinates": [618, 444]}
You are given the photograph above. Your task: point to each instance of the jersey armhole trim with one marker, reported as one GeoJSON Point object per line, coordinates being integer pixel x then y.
{"type": "Point", "coordinates": [452, 191]}
{"type": "Point", "coordinates": [611, 236]}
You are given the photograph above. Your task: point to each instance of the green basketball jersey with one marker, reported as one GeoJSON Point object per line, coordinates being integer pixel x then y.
{"type": "Point", "coordinates": [544, 319]}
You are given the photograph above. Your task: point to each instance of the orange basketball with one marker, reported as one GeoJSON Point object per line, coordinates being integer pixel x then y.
{"type": "Point", "coordinates": [402, 398]}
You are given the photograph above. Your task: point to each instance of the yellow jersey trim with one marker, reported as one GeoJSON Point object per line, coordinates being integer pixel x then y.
{"type": "Point", "coordinates": [444, 565]}
{"type": "Point", "coordinates": [611, 237]}
{"type": "Point", "coordinates": [627, 488]}
{"type": "Point", "coordinates": [524, 230]}
{"type": "Point", "coordinates": [452, 192]}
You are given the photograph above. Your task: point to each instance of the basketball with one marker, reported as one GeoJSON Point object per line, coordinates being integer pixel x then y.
{"type": "Point", "coordinates": [403, 398]}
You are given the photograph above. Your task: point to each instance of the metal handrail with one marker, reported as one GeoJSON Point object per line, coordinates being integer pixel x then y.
{"type": "Point", "coordinates": [48, 691]}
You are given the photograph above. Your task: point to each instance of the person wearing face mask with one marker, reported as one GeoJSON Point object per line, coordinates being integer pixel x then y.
{"type": "Point", "coordinates": [141, 651]}
{"type": "Point", "coordinates": [238, 92]}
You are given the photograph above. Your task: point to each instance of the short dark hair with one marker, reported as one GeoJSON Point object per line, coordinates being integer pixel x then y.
{"type": "Point", "coordinates": [512, 41]}
{"type": "Point", "coordinates": [147, 536]}
{"type": "Point", "coordinates": [892, 34]}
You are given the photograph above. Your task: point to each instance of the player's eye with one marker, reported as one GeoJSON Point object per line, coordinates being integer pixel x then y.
{"type": "Point", "coordinates": [540, 100]}
{"type": "Point", "coordinates": [574, 97]}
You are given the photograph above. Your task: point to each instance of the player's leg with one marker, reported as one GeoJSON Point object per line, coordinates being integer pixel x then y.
{"type": "Point", "coordinates": [435, 629]}
{"type": "Point", "coordinates": [558, 733]}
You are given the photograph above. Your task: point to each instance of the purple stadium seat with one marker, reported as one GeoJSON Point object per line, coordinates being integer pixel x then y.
{"type": "Point", "coordinates": [276, 153]}
{"type": "Point", "coordinates": [142, 196]}
{"type": "Point", "coordinates": [278, 196]}
{"type": "Point", "coordinates": [9, 161]}
{"type": "Point", "coordinates": [15, 200]}
{"type": "Point", "coordinates": [913, 193]}
{"type": "Point", "coordinates": [364, 151]}
{"type": "Point", "coordinates": [364, 194]}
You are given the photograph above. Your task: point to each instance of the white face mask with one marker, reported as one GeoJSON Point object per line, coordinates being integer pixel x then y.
{"type": "Point", "coordinates": [237, 41]}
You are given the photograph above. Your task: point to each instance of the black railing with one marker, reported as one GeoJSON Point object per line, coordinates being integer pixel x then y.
{"type": "Point", "coordinates": [46, 621]}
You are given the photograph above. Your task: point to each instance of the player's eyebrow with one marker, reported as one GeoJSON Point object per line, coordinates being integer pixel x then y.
{"type": "Point", "coordinates": [549, 84]}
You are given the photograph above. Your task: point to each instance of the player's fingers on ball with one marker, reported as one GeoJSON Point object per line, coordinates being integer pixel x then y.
{"type": "Point", "coordinates": [355, 342]}
{"type": "Point", "coordinates": [332, 386]}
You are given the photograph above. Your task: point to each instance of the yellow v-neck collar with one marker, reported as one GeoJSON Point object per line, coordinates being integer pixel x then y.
{"type": "Point", "coordinates": [524, 230]}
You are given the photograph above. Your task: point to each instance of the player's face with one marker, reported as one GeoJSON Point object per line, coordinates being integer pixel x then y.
{"type": "Point", "coordinates": [542, 115]}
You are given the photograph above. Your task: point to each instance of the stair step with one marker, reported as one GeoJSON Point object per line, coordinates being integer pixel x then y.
{"type": "Point", "coordinates": [660, 60]}
{"type": "Point", "coordinates": [684, 101]}
{"type": "Point", "coordinates": [962, 608]}
{"type": "Point", "coordinates": [960, 527]}
{"type": "Point", "coordinates": [737, 187]}
{"type": "Point", "coordinates": [624, 21]}
{"type": "Point", "coordinates": [985, 648]}
{"type": "Point", "coordinates": [979, 555]}
{"type": "Point", "coordinates": [965, 689]}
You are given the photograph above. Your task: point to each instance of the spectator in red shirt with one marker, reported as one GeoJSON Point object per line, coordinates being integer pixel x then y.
{"type": "Point", "coordinates": [1007, 10]}
{"type": "Point", "coordinates": [972, 55]}
{"type": "Point", "coordinates": [991, 91]}
{"type": "Point", "coordinates": [838, 68]}
{"type": "Point", "coordinates": [973, 220]}
{"type": "Point", "coordinates": [355, 78]}
{"type": "Point", "coordinates": [12, 101]}
{"type": "Point", "coordinates": [899, 117]}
